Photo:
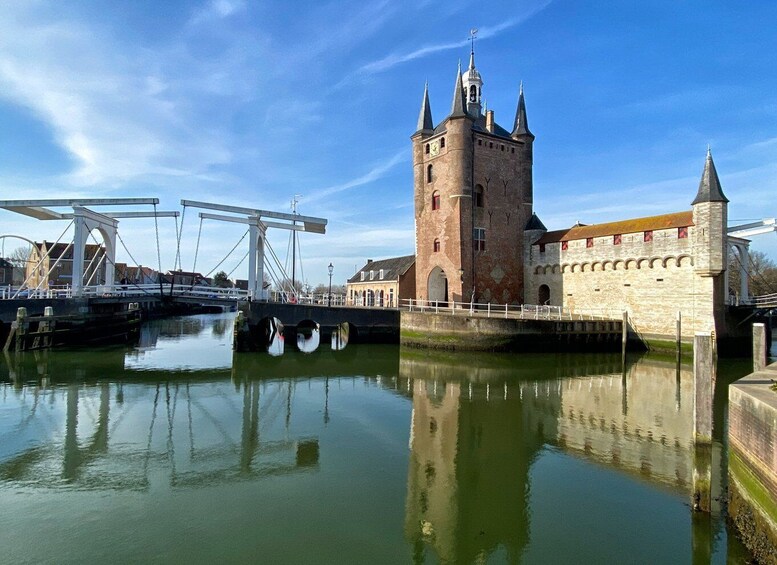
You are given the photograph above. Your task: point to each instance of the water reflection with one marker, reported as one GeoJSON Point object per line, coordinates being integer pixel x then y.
{"type": "Point", "coordinates": [477, 430]}
{"type": "Point", "coordinates": [442, 456]}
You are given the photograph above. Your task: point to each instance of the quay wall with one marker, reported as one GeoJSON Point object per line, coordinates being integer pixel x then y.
{"type": "Point", "coordinates": [752, 437]}
{"type": "Point", "coordinates": [480, 333]}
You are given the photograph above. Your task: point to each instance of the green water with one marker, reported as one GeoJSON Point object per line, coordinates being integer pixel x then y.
{"type": "Point", "coordinates": [177, 452]}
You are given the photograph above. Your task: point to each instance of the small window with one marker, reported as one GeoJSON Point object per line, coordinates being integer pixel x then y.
{"type": "Point", "coordinates": [363, 274]}
{"type": "Point", "coordinates": [429, 175]}
{"type": "Point", "coordinates": [512, 150]}
{"type": "Point", "coordinates": [647, 236]}
{"type": "Point", "coordinates": [436, 200]}
{"type": "Point", "coordinates": [490, 144]}
{"type": "Point", "coordinates": [503, 147]}
{"type": "Point", "coordinates": [436, 245]}
{"type": "Point", "coordinates": [616, 239]}
{"type": "Point", "coordinates": [442, 143]}
{"type": "Point", "coordinates": [682, 233]}
{"type": "Point", "coordinates": [589, 242]}
{"type": "Point", "coordinates": [564, 245]}
{"type": "Point", "coordinates": [427, 149]}
{"type": "Point", "coordinates": [380, 274]}
{"type": "Point", "coordinates": [480, 142]}
{"type": "Point", "coordinates": [542, 248]}
{"type": "Point", "coordinates": [372, 275]}
{"type": "Point", "coordinates": [478, 196]}
{"type": "Point", "coordinates": [479, 237]}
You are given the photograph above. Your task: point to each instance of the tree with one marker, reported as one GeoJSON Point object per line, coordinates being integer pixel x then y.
{"type": "Point", "coordinates": [763, 273]}
{"type": "Point", "coordinates": [220, 280]}
{"type": "Point", "coordinates": [20, 255]}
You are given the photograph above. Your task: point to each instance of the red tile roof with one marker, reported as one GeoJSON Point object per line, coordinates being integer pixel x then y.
{"type": "Point", "coordinates": [635, 225]}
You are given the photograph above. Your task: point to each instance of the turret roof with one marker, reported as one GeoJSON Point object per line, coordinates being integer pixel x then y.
{"type": "Point", "coordinates": [458, 110]}
{"type": "Point", "coordinates": [425, 122]}
{"type": "Point", "coordinates": [709, 186]}
{"type": "Point", "coordinates": [535, 223]}
{"type": "Point", "coordinates": [521, 126]}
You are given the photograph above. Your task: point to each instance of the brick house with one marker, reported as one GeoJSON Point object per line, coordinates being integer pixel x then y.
{"type": "Point", "coordinates": [383, 283]}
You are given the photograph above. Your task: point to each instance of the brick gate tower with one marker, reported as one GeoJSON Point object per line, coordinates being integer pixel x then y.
{"type": "Point", "coordinates": [473, 198]}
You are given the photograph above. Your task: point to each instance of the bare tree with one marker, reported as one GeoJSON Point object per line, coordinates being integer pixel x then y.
{"type": "Point", "coordinates": [763, 273]}
{"type": "Point", "coordinates": [20, 256]}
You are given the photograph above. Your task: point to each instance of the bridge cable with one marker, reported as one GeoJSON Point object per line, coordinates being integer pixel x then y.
{"type": "Point", "coordinates": [197, 248]}
{"type": "Point", "coordinates": [43, 258]}
{"type": "Point", "coordinates": [239, 263]}
{"type": "Point", "coordinates": [113, 264]}
{"type": "Point", "coordinates": [228, 254]}
{"type": "Point", "coordinates": [178, 243]}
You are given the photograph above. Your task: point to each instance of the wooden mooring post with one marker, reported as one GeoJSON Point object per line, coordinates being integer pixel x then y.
{"type": "Point", "coordinates": [704, 375]}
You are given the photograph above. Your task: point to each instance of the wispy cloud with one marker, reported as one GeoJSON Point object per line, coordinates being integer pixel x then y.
{"type": "Point", "coordinates": [217, 9]}
{"type": "Point", "coordinates": [378, 171]}
{"type": "Point", "coordinates": [394, 59]}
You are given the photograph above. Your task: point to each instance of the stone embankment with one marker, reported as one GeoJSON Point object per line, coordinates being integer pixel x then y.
{"type": "Point", "coordinates": [752, 466]}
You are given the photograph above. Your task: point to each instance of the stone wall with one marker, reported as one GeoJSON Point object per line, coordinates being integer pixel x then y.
{"type": "Point", "coordinates": [752, 434]}
{"type": "Point", "coordinates": [652, 281]}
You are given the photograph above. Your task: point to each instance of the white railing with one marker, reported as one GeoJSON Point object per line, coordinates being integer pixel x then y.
{"type": "Point", "coordinates": [309, 298]}
{"type": "Point", "coordinates": [129, 290]}
{"type": "Point", "coordinates": [522, 311]}
{"type": "Point", "coordinates": [765, 301]}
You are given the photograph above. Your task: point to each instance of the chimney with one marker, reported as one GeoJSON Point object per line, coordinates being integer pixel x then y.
{"type": "Point", "coordinates": [490, 121]}
{"type": "Point", "coordinates": [369, 261]}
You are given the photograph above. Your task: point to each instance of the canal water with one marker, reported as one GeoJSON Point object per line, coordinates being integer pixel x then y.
{"type": "Point", "coordinates": [176, 451]}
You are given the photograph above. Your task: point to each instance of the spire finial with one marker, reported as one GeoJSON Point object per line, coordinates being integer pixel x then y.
{"type": "Point", "coordinates": [709, 152]}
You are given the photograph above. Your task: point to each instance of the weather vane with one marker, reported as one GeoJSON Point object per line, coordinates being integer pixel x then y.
{"type": "Point", "coordinates": [472, 33]}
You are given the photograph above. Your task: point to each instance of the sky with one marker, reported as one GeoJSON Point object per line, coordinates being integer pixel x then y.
{"type": "Point", "coordinates": [249, 103]}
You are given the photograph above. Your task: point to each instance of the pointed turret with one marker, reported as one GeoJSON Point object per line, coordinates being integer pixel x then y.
{"type": "Point", "coordinates": [425, 123]}
{"type": "Point", "coordinates": [535, 223]}
{"type": "Point", "coordinates": [709, 187]}
{"type": "Point", "coordinates": [521, 127]}
{"type": "Point", "coordinates": [458, 110]}
{"type": "Point", "coordinates": [473, 87]}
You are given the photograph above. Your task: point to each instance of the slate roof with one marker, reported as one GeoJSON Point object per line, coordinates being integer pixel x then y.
{"type": "Point", "coordinates": [393, 268]}
{"type": "Point", "coordinates": [635, 225]}
{"type": "Point", "coordinates": [535, 223]}
{"type": "Point", "coordinates": [709, 186]}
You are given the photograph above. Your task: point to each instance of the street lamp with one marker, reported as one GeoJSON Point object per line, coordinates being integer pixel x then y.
{"type": "Point", "coordinates": [331, 270]}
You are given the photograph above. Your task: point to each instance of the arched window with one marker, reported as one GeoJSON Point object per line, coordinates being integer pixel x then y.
{"type": "Point", "coordinates": [473, 93]}
{"type": "Point", "coordinates": [429, 175]}
{"type": "Point", "coordinates": [436, 200]}
{"type": "Point", "coordinates": [427, 149]}
{"type": "Point", "coordinates": [436, 245]}
{"type": "Point", "coordinates": [478, 195]}
{"type": "Point", "coordinates": [442, 143]}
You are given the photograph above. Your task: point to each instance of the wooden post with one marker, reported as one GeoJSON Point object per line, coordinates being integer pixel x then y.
{"type": "Point", "coordinates": [21, 327]}
{"type": "Point", "coordinates": [759, 347]}
{"type": "Point", "coordinates": [704, 374]}
{"type": "Point", "coordinates": [679, 329]}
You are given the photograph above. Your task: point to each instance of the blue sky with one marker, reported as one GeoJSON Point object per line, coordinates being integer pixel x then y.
{"type": "Point", "coordinates": [249, 103]}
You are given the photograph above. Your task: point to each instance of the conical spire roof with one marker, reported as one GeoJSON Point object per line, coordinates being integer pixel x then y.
{"type": "Point", "coordinates": [709, 187]}
{"type": "Point", "coordinates": [425, 122]}
{"type": "Point", "coordinates": [521, 126]}
{"type": "Point", "coordinates": [535, 223]}
{"type": "Point", "coordinates": [458, 109]}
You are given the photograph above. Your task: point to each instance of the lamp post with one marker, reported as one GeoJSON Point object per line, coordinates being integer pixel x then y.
{"type": "Point", "coordinates": [331, 270]}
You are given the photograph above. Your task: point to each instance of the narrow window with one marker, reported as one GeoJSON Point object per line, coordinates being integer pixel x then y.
{"type": "Point", "coordinates": [442, 143]}
{"type": "Point", "coordinates": [429, 173]}
{"type": "Point", "coordinates": [478, 196]}
{"type": "Point", "coordinates": [490, 144]}
{"type": "Point", "coordinates": [503, 147]}
{"type": "Point", "coordinates": [682, 233]}
{"type": "Point", "coordinates": [362, 274]}
{"type": "Point", "coordinates": [589, 242]}
{"type": "Point", "coordinates": [372, 275]}
{"type": "Point", "coordinates": [380, 274]}
{"type": "Point", "coordinates": [427, 149]}
{"type": "Point", "coordinates": [436, 245]}
{"type": "Point", "coordinates": [616, 239]}
{"type": "Point", "coordinates": [480, 142]}
{"type": "Point", "coordinates": [647, 236]}
{"type": "Point", "coordinates": [542, 248]}
{"type": "Point", "coordinates": [436, 200]}
{"type": "Point", "coordinates": [564, 245]}
{"type": "Point", "coordinates": [512, 150]}
{"type": "Point", "coordinates": [479, 237]}
{"type": "Point", "coordinates": [473, 93]}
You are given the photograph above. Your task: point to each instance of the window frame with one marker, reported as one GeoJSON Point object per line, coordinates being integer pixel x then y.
{"type": "Point", "coordinates": [436, 200]}
{"type": "Point", "coordinates": [479, 243]}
